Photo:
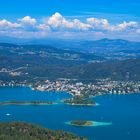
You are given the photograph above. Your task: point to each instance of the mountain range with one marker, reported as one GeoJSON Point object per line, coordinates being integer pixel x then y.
{"type": "Point", "coordinates": [107, 48]}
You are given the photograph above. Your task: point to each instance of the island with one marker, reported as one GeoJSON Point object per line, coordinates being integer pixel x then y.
{"type": "Point", "coordinates": [27, 103]}
{"type": "Point", "coordinates": [80, 101]}
{"type": "Point", "coordinates": [82, 123]}
{"type": "Point", "coordinates": [85, 123]}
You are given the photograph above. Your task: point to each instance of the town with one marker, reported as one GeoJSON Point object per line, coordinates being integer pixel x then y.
{"type": "Point", "coordinates": [100, 87]}
{"type": "Point", "coordinates": [103, 86]}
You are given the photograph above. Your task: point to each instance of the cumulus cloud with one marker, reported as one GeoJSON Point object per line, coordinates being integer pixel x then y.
{"type": "Point", "coordinates": [28, 20]}
{"type": "Point", "coordinates": [59, 26]}
{"type": "Point", "coordinates": [43, 27]}
{"type": "Point", "coordinates": [58, 21]}
{"type": "Point", "coordinates": [123, 26]}
{"type": "Point", "coordinates": [104, 24]}
{"type": "Point", "coordinates": [5, 24]}
{"type": "Point", "coordinates": [97, 22]}
{"type": "Point", "coordinates": [28, 24]}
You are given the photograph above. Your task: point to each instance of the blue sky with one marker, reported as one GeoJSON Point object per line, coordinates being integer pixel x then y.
{"type": "Point", "coordinates": [39, 8]}
{"type": "Point", "coordinates": [116, 12]}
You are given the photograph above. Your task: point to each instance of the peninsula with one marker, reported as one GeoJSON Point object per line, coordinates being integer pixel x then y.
{"type": "Point", "coordinates": [27, 103]}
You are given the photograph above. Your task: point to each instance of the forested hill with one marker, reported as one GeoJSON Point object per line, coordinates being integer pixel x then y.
{"type": "Point", "coordinates": [15, 55]}
{"type": "Point", "coordinates": [33, 63]}
{"type": "Point", "coordinates": [115, 70]}
{"type": "Point", "coordinates": [24, 131]}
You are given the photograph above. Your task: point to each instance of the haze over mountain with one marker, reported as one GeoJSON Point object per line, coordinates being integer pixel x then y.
{"type": "Point", "coordinates": [108, 48]}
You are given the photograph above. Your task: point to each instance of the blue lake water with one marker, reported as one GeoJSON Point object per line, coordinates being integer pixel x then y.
{"type": "Point", "coordinates": [123, 111]}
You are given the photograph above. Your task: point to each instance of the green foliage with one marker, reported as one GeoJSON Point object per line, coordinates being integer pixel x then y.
{"type": "Point", "coordinates": [24, 131]}
{"type": "Point", "coordinates": [80, 101]}
{"type": "Point", "coordinates": [81, 123]}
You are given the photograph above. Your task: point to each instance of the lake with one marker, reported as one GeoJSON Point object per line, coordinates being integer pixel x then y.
{"type": "Point", "coordinates": [123, 111]}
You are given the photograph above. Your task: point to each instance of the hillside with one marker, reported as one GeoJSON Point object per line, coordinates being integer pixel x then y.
{"type": "Point", "coordinates": [14, 55]}
{"type": "Point", "coordinates": [24, 131]}
{"type": "Point", "coordinates": [34, 63]}
{"type": "Point", "coordinates": [107, 48]}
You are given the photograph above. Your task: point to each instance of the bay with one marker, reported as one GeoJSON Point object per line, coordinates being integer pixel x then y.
{"type": "Point", "coordinates": [122, 111]}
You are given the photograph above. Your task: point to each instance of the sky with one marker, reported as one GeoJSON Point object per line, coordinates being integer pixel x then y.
{"type": "Point", "coordinates": [70, 19]}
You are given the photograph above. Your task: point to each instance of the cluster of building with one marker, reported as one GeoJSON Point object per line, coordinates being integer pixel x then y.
{"type": "Point", "coordinates": [103, 86]}
{"type": "Point", "coordinates": [61, 85]}
{"type": "Point", "coordinates": [13, 72]}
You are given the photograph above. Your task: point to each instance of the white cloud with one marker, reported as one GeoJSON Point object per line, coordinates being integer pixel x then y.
{"type": "Point", "coordinates": [57, 25]}
{"type": "Point", "coordinates": [79, 25]}
{"type": "Point", "coordinates": [28, 24]}
{"type": "Point", "coordinates": [58, 21]}
{"type": "Point", "coordinates": [28, 20]}
{"type": "Point", "coordinates": [43, 27]}
{"type": "Point", "coordinates": [104, 24]}
{"type": "Point", "coordinates": [97, 22]}
{"type": "Point", "coordinates": [123, 26]}
{"type": "Point", "coordinates": [5, 24]}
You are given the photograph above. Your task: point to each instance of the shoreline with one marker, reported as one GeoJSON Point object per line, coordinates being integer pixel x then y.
{"type": "Point", "coordinates": [80, 104]}
{"type": "Point", "coordinates": [90, 96]}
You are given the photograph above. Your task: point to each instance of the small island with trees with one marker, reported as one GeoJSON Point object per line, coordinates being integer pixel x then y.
{"type": "Point", "coordinates": [81, 123]}
{"type": "Point", "coordinates": [85, 123]}
{"type": "Point", "coordinates": [80, 101]}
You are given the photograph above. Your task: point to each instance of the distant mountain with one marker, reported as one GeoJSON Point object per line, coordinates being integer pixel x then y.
{"type": "Point", "coordinates": [42, 54]}
{"type": "Point", "coordinates": [110, 49]}
{"type": "Point", "coordinates": [104, 43]}
{"type": "Point", "coordinates": [36, 62]}
{"type": "Point", "coordinates": [107, 48]}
